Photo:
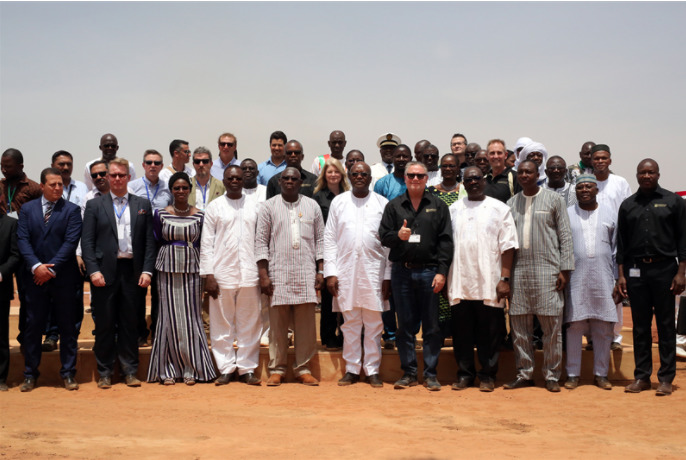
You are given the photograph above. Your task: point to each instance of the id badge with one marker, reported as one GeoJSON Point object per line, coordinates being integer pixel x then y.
{"type": "Point", "coordinates": [121, 232]}
{"type": "Point", "coordinates": [634, 272]}
{"type": "Point", "coordinates": [416, 238]}
{"type": "Point", "coordinates": [14, 214]}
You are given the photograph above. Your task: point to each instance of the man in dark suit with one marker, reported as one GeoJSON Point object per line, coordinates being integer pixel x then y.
{"type": "Point", "coordinates": [9, 261]}
{"type": "Point", "coordinates": [48, 232]}
{"type": "Point", "coordinates": [119, 252]}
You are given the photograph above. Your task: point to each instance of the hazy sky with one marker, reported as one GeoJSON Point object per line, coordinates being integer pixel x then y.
{"type": "Point", "coordinates": [560, 73]}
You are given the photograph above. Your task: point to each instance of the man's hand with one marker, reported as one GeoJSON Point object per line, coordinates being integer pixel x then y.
{"type": "Point", "coordinates": [266, 285]}
{"type": "Point", "coordinates": [211, 286]}
{"type": "Point", "coordinates": [562, 280]}
{"type": "Point", "coordinates": [42, 274]}
{"type": "Point", "coordinates": [144, 280]}
{"type": "Point", "coordinates": [678, 284]}
{"type": "Point", "coordinates": [386, 289]}
{"type": "Point", "coordinates": [319, 282]}
{"type": "Point", "coordinates": [98, 280]}
{"type": "Point", "coordinates": [404, 232]}
{"type": "Point", "coordinates": [332, 285]}
{"type": "Point", "coordinates": [82, 265]}
{"type": "Point", "coordinates": [438, 283]}
{"type": "Point", "coordinates": [503, 290]}
{"type": "Point", "coordinates": [620, 287]}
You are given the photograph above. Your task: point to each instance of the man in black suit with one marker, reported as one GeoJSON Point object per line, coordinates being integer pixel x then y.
{"type": "Point", "coordinates": [9, 261]}
{"type": "Point", "coordinates": [119, 252]}
{"type": "Point", "coordinates": [48, 232]}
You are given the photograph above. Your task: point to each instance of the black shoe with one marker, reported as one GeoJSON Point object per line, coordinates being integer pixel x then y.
{"type": "Point", "coordinates": [389, 344]}
{"type": "Point", "coordinates": [432, 384]}
{"type": "Point", "coordinates": [250, 379]}
{"type": "Point", "coordinates": [70, 384]}
{"type": "Point", "coordinates": [223, 379]}
{"type": "Point", "coordinates": [375, 381]}
{"type": "Point", "coordinates": [518, 383]}
{"type": "Point", "coordinates": [462, 383]}
{"type": "Point", "coordinates": [28, 385]}
{"type": "Point", "coordinates": [104, 383]}
{"type": "Point", "coordinates": [348, 379]}
{"type": "Point", "coordinates": [552, 386]}
{"type": "Point", "coordinates": [4, 387]}
{"type": "Point", "coordinates": [142, 342]}
{"type": "Point", "coordinates": [406, 381]}
{"type": "Point", "coordinates": [487, 386]}
{"type": "Point", "coordinates": [49, 344]}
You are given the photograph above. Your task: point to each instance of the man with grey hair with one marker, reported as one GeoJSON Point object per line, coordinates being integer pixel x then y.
{"type": "Point", "coordinates": [204, 187]}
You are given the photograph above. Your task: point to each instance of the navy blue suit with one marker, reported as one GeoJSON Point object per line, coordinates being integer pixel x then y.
{"type": "Point", "coordinates": [9, 261]}
{"type": "Point", "coordinates": [51, 243]}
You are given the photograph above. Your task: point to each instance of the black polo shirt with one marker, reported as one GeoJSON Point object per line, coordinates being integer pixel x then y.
{"type": "Point", "coordinates": [307, 187]}
{"type": "Point", "coordinates": [503, 186]}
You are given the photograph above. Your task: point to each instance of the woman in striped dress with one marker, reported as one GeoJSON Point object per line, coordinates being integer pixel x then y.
{"type": "Point", "coordinates": [180, 348]}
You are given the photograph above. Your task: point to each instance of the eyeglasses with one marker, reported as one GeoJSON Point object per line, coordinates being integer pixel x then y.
{"type": "Point", "coordinates": [187, 152]}
{"type": "Point", "coordinates": [180, 188]}
{"type": "Point", "coordinates": [226, 144]}
{"type": "Point", "coordinates": [290, 178]}
{"type": "Point", "coordinates": [99, 174]}
{"type": "Point", "coordinates": [117, 176]}
{"type": "Point", "coordinates": [419, 176]}
{"type": "Point", "coordinates": [359, 174]}
{"type": "Point", "coordinates": [153, 162]}
{"type": "Point", "coordinates": [204, 161]}
{"type": "Point", "coordinates": [470, 179]}
{"type": "Point", "coordinates": [233, 179]}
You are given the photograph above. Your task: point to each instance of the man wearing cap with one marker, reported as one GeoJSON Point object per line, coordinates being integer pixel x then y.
{"type": "Point", "coordinates": [651, 237]}
{"type": "Point", "coordinates": [336, 145]}
{"type": "Point", "coordinates": [612, 191]}
{"type": "Point", "coordinates": [589, 307]}
{"type": "Point", "coordinates": [387, 144]}
{"type": "Point", "coordinates": [584, 166]}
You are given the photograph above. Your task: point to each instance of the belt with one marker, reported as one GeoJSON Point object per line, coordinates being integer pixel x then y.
{"type": "Point", "coordinates": [191, 244]}
{"type": "Point", "coordinates": [411, 265]}
{"type": "Point", "coordinates": [651, 260]}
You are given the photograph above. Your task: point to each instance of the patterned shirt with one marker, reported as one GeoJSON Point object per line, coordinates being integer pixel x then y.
{"type": "Point", "coordinates": [291, 237]}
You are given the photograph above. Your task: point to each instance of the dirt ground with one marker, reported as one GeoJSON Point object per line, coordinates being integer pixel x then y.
{"type": "Point", "coordinates": [238, 421]}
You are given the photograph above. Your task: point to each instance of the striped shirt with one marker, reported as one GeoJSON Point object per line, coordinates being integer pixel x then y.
{"type": "Point", "coordinates": [291, 237]}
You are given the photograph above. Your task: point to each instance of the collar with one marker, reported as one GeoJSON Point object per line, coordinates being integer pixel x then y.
{"type": "Point", "coordinates": [126, 195]}
{"type": "Point", "coordinates": [44, 201]}
{"type": "Point", "coordinates": [269, 161]}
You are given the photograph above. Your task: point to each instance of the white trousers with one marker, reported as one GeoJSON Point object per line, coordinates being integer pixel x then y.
{"type": "Point", "coordinates": [354, 322]}
{"type": "Point", "coordinates": [617, 328]}
{"type": "Point", "coordinates": [601, 333]}
{"type": "Point", "coordinates": [235, 315]}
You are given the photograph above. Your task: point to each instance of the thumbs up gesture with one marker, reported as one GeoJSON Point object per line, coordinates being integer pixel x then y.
{"type": "Point", "coordinates": [404, 232]}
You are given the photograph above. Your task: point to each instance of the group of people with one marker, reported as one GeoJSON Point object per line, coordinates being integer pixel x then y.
{"type": "Point", "coordinates": [452, 246]}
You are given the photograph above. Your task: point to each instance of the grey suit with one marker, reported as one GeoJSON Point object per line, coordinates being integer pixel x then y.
{"type": "Point", "coordinates": [117, 305]}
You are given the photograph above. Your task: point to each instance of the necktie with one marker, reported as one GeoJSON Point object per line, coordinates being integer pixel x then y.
{"type": "Point", "coordinates": [48, 211]}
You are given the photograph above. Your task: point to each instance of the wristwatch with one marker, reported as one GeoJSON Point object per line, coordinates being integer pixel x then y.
{"type": "Point", "coordinates": [505, 278]}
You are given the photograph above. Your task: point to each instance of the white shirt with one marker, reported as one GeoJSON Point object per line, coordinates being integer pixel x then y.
{"type": "Point", "coordinates": [122, 217]}
{"type": "Point", "coordinates": [169, 171]}
{"type": "Point", "coordinates": [256, 195]}
{"type": "Point", "coordinates": [353, 251]}
{"type": "Point", "coordinates": [227, 245]}
{"type": "Point", "coordinates": [612, 191]}
{"type": "Point", "coordinates": [75, 192]}
{"type": "Point", "coordinates": [482, 232]}
{"type": "Point", "coordinates": [434, 178]}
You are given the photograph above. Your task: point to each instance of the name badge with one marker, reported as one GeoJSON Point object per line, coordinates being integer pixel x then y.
{"type": "Point", "coordinates": [14, 214]}
{"type": "Point", "coordinates": [121, 231]}
{"type": "Point", "coordinates": [634, 272]}
{"type": "Point", "coordinates": [415, 238]}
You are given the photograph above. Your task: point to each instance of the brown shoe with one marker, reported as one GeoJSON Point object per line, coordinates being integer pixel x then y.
{"type": "Point", "coordinates": [132, 381]}
{"type": "Point", "coordinates": [375, 381]}
{"type": "Point", "coordinates": [664, 389]}
{"type": "Point", "coordinates": [274, 380]}
{"type": "Point", "coordinates": [616, 346]}
{"type": "Point", "coordinates": [70, 384]}
{"type": "Point", "coordinates": [637, 386]}
{"type": "Point", "coordinates": [572, 383]}
{"type": "Point", "coordinates": [104, 383]}
{"type": "Point", "coordinates": [602, 382]}
{"type": "Point", "coordinates": [307, 379]}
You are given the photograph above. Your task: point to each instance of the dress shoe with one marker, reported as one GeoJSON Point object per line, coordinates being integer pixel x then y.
{"type": "Point", "coordinates": [132, 381]}
{"type": "Point", "coordinates": [375, 381]}
{"type": "Point", "coordinates": [462, 383]}
{"type": "Point", "coordinates": [169, 381]}
{"type": "Point", "coordinates": [70, 384]}
{"type": "Point", "coordinates": [406, 381]}
{"type": "Point", "coordinates": [637, 386]}
{"type": "Point", "coordinates": [223, 379]}
{"type": "Point", "coordinates": [4, 387]}
{"type": "Point", "coordinates": [389, 344]}
{"type": "Point", "coordinates": [616, 346]}
{"type": "Point", "coordinates": [250, 379]}
{"type": "Point", "coordinates": [487, 386]}
{"type": "Point", "coordinates": [274, 380]}
{"type": "Point", "coordinates": [307, 379]}
{"type": "Point", "coordinates": [664, 389]}
{"type": "Point", "coordinates": [518, 383]}
{"type": "Point", "coordinates": [104, 383]}
{"type": "Point", "coordinates": [602, 382]}
{"type": "Point", "coordinates": [142, 342]}
{"type": "Point", "coordinates": [572, 382]}
{"type": "Point", "coordinates": [552, 386]}
{"type": "Point", "coordinates": [432, 384]}
{"type": "Point", "coordinates": [589, 346]}
{"type": "Point", "coordinates": [348, 379]}
{"type": "Point", "coordinates": [28, 385]}
{"type": "Point", "coordinates": [332, 345]}
{"type": "Point", "coordinates": [49, 345]}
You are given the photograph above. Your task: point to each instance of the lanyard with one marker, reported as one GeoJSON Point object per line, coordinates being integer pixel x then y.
{"type": "Point", "coordinates": [10, 195]}
{"type": "Point", "coordinates": [70, 187]}
{"type": "Point", "coordinates": [120, 213]}
{"type": "Point", "coordinates": [147, 192]}
{"type": "Point", "coordinates": [204, 191]}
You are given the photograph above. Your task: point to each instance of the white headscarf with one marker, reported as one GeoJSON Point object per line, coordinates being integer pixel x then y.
{"type": "Point", "coordinates": [536, 147]}
{"type": "Point", "coordinates": [521, 142]}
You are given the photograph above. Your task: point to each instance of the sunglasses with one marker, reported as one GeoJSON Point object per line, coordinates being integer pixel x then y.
{"type": "Point", "coordinates": [294, 152]}
{"type": "Point", "coordinates": [359, 174]}
{"type": "Point", "coordinates": [201, 160]}
{"type": "Point", "coordinates": [99, 174]}
{"type": "Point", "coordinates": [226, 144]}
{"type": "Point", "coordinates": [153, 162]}
{"type": "Point", "coordinates": [233, 179]}
{"type": "Point", "coordinates": [419, 176]}
{"type": "Point", "coordinates": [117, 176]}
{"type": "Point", "coordinates": [467, 180]}
{"type": "Point", "coordinates": [110, 146]}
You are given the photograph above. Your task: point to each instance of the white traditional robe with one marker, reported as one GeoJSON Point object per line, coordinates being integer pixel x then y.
{"type": "Point", "coordinates": [612, 191]}
{"type": "Point", "coordinates": [482, 232]}
{"type": "Point", "coordinates": [353, 251]}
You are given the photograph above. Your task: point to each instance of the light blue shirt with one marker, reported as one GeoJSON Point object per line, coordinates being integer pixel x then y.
{"type": "Point", "coordinates": [268, 170]}
{"type": "Point", "coordinates": [75, 192]}
{"type": "Point", "coordinates": [218, 167]}
{"type": "Point", "coordinates": [390, 186]}
{"type": "Point", "coordinates": [158, 195]}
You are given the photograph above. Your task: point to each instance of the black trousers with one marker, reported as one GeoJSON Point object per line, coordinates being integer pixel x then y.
{"type": "Point", "coordinates": [328, 321]}
{"type": "Point", "coordinates": [117, 308]}
{"type": "Point", "coordinates": [4, 339]}
{"type": "Point", "coordinates": [473, 322]}
{"type": "Point", "coordinates": [650, 294]}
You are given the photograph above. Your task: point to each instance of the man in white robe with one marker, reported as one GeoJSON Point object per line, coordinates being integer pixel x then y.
{"type": "Point", "coordinates": [485, 239]}
{"type": "Point", "coordinates": [228, 264]}
{"type": "Point", "coordinates": [358, 273]}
